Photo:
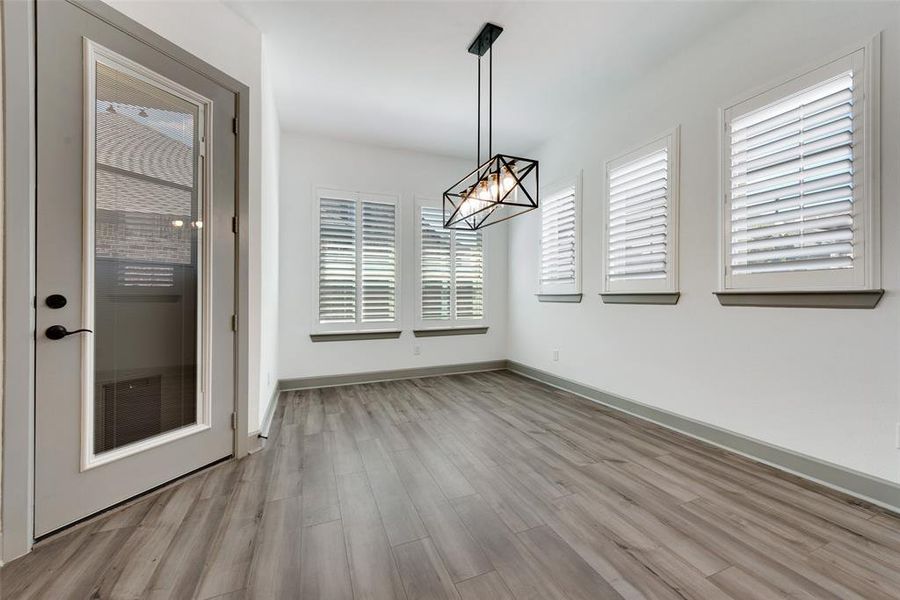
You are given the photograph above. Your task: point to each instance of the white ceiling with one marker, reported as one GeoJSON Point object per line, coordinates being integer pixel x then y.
{"type": "Point", "coordinates": [397, 73]}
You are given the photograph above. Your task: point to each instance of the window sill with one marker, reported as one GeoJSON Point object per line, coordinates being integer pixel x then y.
{"type": "Point", "coordinates": [844, 299]}
{"type": "Point", "coordinates": [572, 298]}
{"type": "Point", "coordinates": [353, 336]}
{"type": "Point", "coordinates": [450, 331]}
{"type": "Point", "coordinates": [641, 297]}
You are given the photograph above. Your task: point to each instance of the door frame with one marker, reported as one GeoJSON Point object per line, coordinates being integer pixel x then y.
{"type": "Point", "coordinates": [19, 248]}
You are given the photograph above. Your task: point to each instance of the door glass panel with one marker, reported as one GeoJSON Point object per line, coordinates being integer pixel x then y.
{"type": "Point", "coordinates": [147, 255]}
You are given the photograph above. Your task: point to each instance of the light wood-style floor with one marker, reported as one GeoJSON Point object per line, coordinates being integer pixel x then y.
{"type": "Point", "coordinates": [486, 486]}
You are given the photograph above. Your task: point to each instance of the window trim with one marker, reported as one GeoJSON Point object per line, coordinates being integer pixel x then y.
{"type": "Point", "coordinates": [796, 288]}
{"type": "Point", "coordinates": [320, 329]}
{"type": "Point", "coordinates": [424, 327]}
{"type": "Point", "coordinates": [666, 289]}
{"type": "Point", "coordinates": [565, 292]}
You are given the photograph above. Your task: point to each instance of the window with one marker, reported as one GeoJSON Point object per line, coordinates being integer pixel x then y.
{"type": "Point", "coordinates": [641, 217]}
{"type": "Point", "coordinates": [436, 274]}
{"type": "Point", "coordinates": [560, 269]}
{"type": "Point", "coordinates": [800, 210]}
{"type": "Point", "coordinates": [357, 262]}
{"type": "Point", "coordinates": [451, 273]}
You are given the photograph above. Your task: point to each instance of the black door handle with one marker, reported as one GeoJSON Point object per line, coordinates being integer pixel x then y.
{"type": "Point", "coordinates": [58, 332]}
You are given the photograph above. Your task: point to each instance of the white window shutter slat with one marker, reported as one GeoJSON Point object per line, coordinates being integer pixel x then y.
{"type": "Point", "coordinates": [638, 218]}
{"type": "Point", "coordinates": [436, 277]}
{"type": "Point", "coordinates": [357, 262]}
{"type": "Point", "coordinates": [792, 186]}
{"type": "Point", "coordinates": [468, 266]}
{"type": "Point", "coordinates": [337, 261]}
{"type": "Point", "coordinates": [451, 271]}
{"type": "Point", "coordinates": [559, 240]}
{"type": "Point", "coordinates": [379, 262]}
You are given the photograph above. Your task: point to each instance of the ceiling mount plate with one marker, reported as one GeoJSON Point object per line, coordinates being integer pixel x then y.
{"type": "Point", "coordinates": [485, 38]}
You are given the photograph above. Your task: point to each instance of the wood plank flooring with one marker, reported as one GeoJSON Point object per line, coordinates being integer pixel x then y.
{"type": "Point", "coordinates": [486, 486]}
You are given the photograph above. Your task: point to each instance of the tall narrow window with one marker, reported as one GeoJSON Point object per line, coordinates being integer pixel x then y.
{"type": "Point", "coordinates": [379, 262]}
{"type": "Point", "coordinates": [468, 274]}
{"type": "Point", "coordinates": [337, 261]}
{"type": "Point", "coordinates": [436, 276]}
{"type": "Point", "coordinates": [560, 241]}
{"type": "Point", "coordinates": [357, 261]}
{"type": "Point", "coordinates": [641, 217]}
{"type": "Point", "coordinates": [800, 212]}
{"type": "Point", "coordinates": [451, 273]}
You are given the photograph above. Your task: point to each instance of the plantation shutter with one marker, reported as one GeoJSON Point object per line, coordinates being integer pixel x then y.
{"type": "Point", "coordinates": [436, 276]}
{"type": "Point", "coordinates": [558, 231]}
{"type": "Point", "coordinates": [378, 262]}
{"type": "Point", "coordinates": [452, 270]}
{"type": "Point", "coordinates": [791, 188]}
{"type": "Point", "coordinates": [468, 266]}
{"type": "Point", "coordinates": [337, 261]}
{"type": "Point", "coordinates": [638, 217]}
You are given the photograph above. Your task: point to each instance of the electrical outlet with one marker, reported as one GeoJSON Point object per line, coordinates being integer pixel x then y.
{"type": "Point", "coordinates": [417, 350]}
{"type": "Point", "coordinates": [555, 355]}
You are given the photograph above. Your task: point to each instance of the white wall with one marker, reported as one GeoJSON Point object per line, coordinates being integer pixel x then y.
{"type": "Point", "coordinates": [231, 44]}
{"type": "Point", "coordinates": [823, 382]}
{"type": "Point", "coordinates": [268, 318]}
{"type": "Point", "coordinates": [309, 162]}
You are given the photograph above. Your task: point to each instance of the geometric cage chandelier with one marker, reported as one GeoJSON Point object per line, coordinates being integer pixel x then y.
{"type": "Point", "coordinates": [503, 186]}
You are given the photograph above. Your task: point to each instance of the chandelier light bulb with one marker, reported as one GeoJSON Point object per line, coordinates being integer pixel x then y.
{"type": "Point", "coordinates": [484, 193]}
{"type": "Point", "coordinates": [508, 180]}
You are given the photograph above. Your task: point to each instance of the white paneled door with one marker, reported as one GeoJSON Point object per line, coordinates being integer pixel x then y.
{"type": "Point", "coordinates": [135, 267]}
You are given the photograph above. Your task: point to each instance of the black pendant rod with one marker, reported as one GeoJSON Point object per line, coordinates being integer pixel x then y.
{"type": "Point", "coordinates": [483, 43]}
{"type": "Point", "coordinates": [478, 151]}
{"type": "Point", "coordinates": [490, 99]}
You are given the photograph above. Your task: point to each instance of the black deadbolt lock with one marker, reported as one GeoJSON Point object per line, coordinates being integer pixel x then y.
{"type": "Point", "coordinates": [56, 301]}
